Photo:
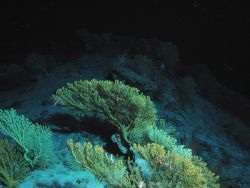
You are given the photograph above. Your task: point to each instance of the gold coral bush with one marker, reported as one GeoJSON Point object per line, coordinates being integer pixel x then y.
{"type": "Point", "coordinates": [134, 115]}
{"type": "Point", "coordinates": [123, 106]}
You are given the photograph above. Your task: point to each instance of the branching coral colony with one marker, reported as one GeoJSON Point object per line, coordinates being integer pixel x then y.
{"type": "Point", "coordinates": [33, 147]}
{"type": "Point", "coordinates": [168, 165]}
{"type": "Point", "coordinates": [134, 116]}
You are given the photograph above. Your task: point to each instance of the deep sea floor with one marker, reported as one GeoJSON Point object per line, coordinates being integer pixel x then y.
{"type": "Point", "coordinates": [188, 98]}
